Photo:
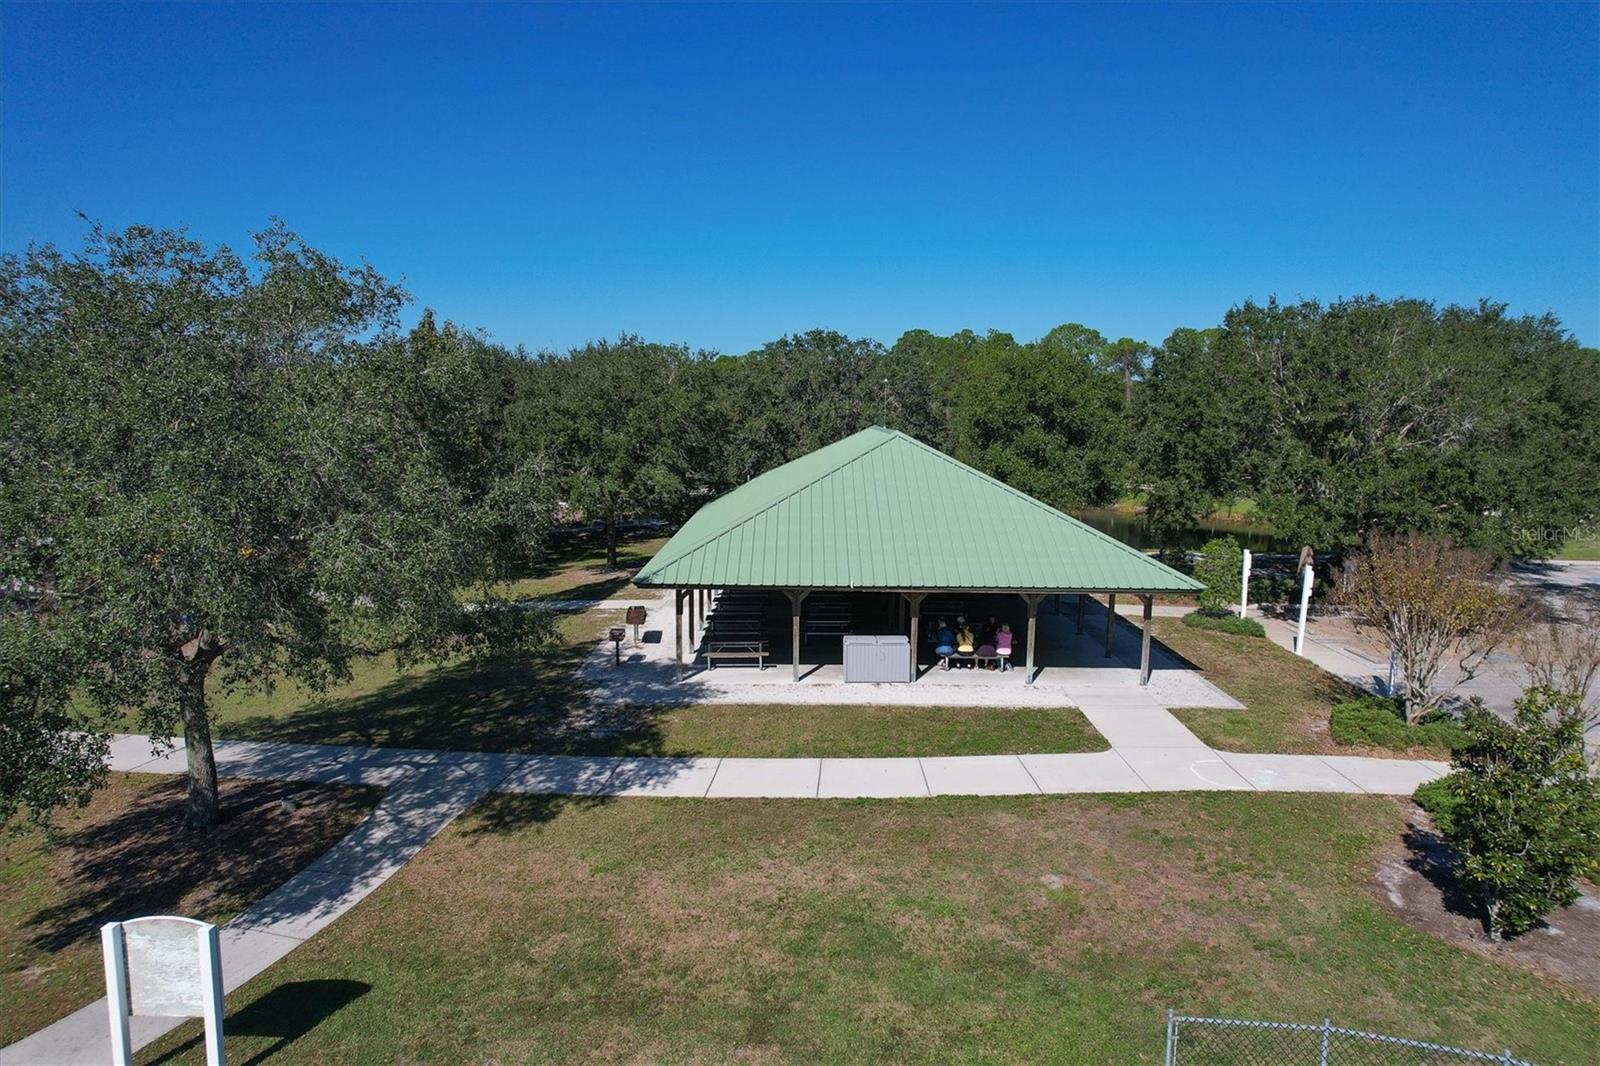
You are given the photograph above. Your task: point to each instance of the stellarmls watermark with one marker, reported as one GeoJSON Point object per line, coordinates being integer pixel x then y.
{"type": "Point", "coordinates": [1556, 534]}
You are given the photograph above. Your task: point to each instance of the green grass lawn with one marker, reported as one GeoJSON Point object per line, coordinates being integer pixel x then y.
{"type": "Point", "coordinates": [502, 704]}
{"type": "Point", "coordinates": [801, 731]}
{"type": "Point", "coordinates": [1044, 929]}
{"type": "Point", "coordinates": [1287, 699]}
{"type": "Point", "coordinates": [535, 704]}
{"type": "Point", "coordinates": [1581, 548]}
{"type": "Point", "coordinates": [126, 855]}
{"type": "Point", "coordinates": [579, 572]}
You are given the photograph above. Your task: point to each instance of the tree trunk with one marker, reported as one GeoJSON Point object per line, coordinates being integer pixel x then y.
{"type": "Point", "coordinates": [200, 809]}
{"type": "Point", "coordinates": [611, 541]}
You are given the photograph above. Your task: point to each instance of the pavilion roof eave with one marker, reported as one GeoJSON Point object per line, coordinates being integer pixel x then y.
{"type": "Point", "coordinates": [909, 589]}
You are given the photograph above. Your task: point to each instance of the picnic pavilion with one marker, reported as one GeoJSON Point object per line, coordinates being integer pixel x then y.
{"type": "Point", "coordinates": [880, 533]}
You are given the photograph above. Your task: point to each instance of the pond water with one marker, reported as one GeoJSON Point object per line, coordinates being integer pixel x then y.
{"type": "Point", "coordinates": [1130, 529]}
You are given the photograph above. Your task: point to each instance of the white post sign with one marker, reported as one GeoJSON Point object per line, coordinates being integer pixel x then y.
{"type": "Point", "coordinates": [1305, 603]}
{"type": "Point", "coordinates": [165, 966]}
{"type": "Point", "coordinates": [1244, 585]}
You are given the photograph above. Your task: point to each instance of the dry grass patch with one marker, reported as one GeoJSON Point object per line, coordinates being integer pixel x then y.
{"type": "Point", "coordinates": [126, 855]}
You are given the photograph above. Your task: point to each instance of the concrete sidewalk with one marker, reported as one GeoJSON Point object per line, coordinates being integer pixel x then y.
{"type": "Point", "coordinates": [1144, 738]}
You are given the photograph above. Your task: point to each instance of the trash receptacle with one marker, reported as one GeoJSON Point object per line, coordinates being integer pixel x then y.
{"type": "Point", "coordinates": [869, 658]}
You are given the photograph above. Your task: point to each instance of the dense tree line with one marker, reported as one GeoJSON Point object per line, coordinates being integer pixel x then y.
{"type": "Point", "coordinates": [1378, 416]}
{"type": "Point", "coordinates": [1342, 421]}
{"type": "Point", "coordinates": [241, 468]}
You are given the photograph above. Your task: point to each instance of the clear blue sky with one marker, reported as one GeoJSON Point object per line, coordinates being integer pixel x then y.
{"type": "Point", "coordinates": [723, 175]}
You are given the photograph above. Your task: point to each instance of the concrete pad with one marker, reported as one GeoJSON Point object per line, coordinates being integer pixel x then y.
{"type": "Point", "coordinates": [565, 775]}
{"type": "Point", "coordinates": [762, 778]}
{"type": "Point", "coordinates": [130, 752]}
{"type": "Point", "coordinates": [1088, 771]}
{"type": "Point", "coordinates": [1386, 777]}
{"type": "Point", "coordinates": [1183, 769]}
{"type": "Point", "coordinates": [1128, 724]}
{"type": "Point", "coordinates": [1288, 773]}
{"type": "Point", "coordinates": [871, 778]}
{"type": "Point", "coordinates": [662, 777]}
{"type": "Point", "coordinates": [269, 761]}
{"type": "Point", "coordinates": [978, 775]}
{"type": "Point", "coordinates": [385, 766]}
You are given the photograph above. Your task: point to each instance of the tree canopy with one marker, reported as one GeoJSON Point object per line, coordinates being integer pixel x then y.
{"type": "Point", "coordinates": [1378, 416]}
{"type": "Point", "coordinates": [235, 469]}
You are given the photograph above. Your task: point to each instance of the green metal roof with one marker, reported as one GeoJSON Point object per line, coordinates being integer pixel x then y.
{"type": "Point", "coordinates": [881, 510]}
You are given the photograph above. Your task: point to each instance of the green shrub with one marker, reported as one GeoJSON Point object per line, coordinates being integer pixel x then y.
{"type": "Point", "coordinates": [1440, 799]}
{"type": "Point", "coordinates": [1274, 588]}
{"type": "Point", "coordinates": [1527, 816]}
{"type": "Point", "coordinates": [1224, 623]}
{"type": "Point", "coordinates": [1373, 721]}
{"type": "Point", "coordinates": [1219, 566]}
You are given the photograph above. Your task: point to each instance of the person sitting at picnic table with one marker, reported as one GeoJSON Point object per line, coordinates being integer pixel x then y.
{"type": "Point", "coordinates": [986, 650]}
{"type": "Point", "coordinates": [1002, 646]}
{"type": "Point", "coordinates": [944, 643]}
{"type": "Point", "coordinates": [987, 631]}
{"type": "Point", "coordinates": [964, 641]}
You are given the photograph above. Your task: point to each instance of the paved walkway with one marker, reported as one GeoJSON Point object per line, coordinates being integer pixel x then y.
{"type": "Point", "coordinates": [1151, 751]}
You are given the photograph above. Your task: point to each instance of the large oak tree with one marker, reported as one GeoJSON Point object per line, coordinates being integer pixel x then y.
{"type": "Point", "coordinates": [220, 469]}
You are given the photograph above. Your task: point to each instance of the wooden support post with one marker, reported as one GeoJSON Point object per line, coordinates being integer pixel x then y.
{"type": "Point", "coordinates": [796, 598]}
{"type": "Point", "coordinates": [913, 602]}
{"type": "Point", "coordinates": [1144, 640]}
{"type": "Point", "coordinates": [1111, 619]}
{"type": "Point", "coordinates": [694, 607]}
{"type": "Point", "coordinates": [677, 603]}
{"type": "Point", "coordinates": [1033, 629]}
{"type": "Point", "coordinates": [1080, 613]}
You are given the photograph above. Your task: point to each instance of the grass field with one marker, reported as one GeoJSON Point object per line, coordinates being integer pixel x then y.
{"type": "Point", "coordinates": [578, 571]}
{"type": "Point", "coordinates": [125, 855]}
{"type": "Point", "coordinates": [1046, 929]}
{"type": "Point", "coordinates": [1581, 548]}
{"type": "Point", "coordinates": [478, 704]}
{"type": "Point", "coordinates": [1287, 699]}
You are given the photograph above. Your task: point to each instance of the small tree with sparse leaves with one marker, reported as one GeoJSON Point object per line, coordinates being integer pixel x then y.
{"type": "Point", "coordinates": [1527, 824]}
{"type": "Point", "coordinates": [1564, 654]}
{"type": "Point", "coordinates": [1430, 601]}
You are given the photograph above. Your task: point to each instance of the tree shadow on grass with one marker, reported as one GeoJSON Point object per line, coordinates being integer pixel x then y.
{"type": "Point", "coordinates": [601, 588]}
{"type": "Point", "coordinates": [534, 703]}
{"type": "Point", "coordinates": [511, 703]}
{"type": "Point", "coordinates": [283, 1015]}
{"type": "Point", "coordinates": [142, 861]}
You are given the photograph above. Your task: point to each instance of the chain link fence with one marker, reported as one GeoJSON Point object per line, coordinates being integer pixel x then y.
{"type": "Point", "coordinates": [1237, 1042]}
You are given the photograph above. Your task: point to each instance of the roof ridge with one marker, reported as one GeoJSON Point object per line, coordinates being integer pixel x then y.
{"type": "Point", "coordinates": [1057, 512]}
{"type": "Point", "coordinates": [890, 435]}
